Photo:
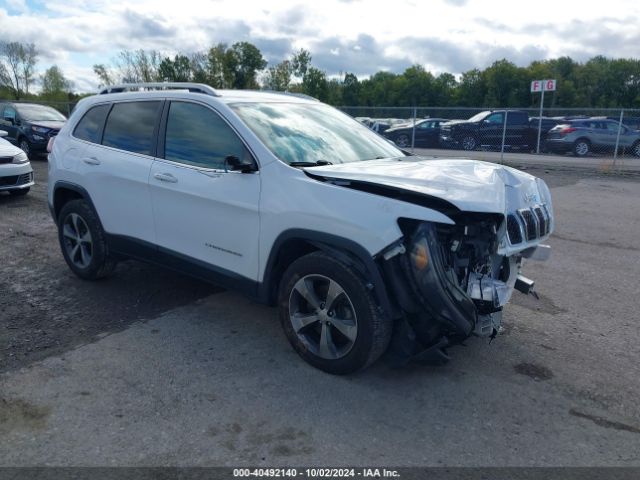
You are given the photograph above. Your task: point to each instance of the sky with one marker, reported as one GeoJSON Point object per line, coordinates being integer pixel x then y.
{"type": "Point", "coordinates": [357, 36]}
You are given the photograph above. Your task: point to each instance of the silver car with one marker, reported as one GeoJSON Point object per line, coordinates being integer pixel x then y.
{"type": "Point", "coordinates": [592, 135]}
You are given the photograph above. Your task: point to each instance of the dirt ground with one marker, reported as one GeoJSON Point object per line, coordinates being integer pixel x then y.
{"type": "Point", "coordinates": [45, 309]}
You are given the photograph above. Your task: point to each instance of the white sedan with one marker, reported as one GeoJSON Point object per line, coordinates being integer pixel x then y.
{"type": "Point", "coordinates": [16, 174]}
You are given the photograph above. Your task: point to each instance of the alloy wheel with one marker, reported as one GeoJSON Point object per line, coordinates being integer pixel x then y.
{"type": "Point", "coordinates": [582, 148]}
{"type": "Point", "coordinates": [322, 316]}
{"type": "Point", "coordinates": [402, 141]}
{"type": "Point", "coordinates": [469, 143]}
{"type": "Point", "coordinates": [77, 240]}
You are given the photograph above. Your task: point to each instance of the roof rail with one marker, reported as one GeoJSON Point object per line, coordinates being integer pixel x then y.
{"type": "Point", "coordinates": [292, 94]}
{"type": "Point", "coordinates": [192, 87]}
{"type": "Point", "coordinates": [300, 95]}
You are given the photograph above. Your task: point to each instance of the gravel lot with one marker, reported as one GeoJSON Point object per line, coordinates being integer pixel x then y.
{"type": "Point", "coordinates": [152, 368]}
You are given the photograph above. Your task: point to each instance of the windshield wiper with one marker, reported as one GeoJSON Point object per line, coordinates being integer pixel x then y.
{"type": "Point", "coordinates": [317, 163]}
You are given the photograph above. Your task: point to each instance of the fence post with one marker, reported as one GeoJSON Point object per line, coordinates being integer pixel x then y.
{"type": "Point", "coordinates": [413, 131]}
{"type": "Point", "coordinates": [504, 133]}
{"type": "Point", "coordinates": [615, 152]}
{"type": "Point", "coordinates": [540, 121]}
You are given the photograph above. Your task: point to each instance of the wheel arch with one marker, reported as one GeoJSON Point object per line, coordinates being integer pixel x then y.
{"type": "Point", "coordinates": [64, 192]}
{"type": "Point", "coordinates": [293, 244]}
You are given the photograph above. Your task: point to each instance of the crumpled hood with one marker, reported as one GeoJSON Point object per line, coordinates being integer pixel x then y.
{"type": "Point", "coordinates": [470, 185]}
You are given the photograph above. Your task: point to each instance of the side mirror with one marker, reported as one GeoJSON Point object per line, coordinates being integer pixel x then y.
{"type": "Point", "coordinates": [233, 163]}
{"type": "Point", "coordinates": [10, 120]}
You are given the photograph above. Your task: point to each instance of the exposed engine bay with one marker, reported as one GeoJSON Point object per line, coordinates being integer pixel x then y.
{"type": "Point", "coordinates": [450, 281]}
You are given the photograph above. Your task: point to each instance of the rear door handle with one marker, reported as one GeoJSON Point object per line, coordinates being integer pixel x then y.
{"type": "Point", "coordinates": [165, 177]}
{"type": "Point", "coordinates": [91, 161]}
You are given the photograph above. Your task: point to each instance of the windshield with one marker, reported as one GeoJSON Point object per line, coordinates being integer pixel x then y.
{"type": "Point", "coordinates": [479, 116]}
{"type": "Point", "coordinates": [302, 132]}
{"type": "Point", "coordinates": [34, 113]}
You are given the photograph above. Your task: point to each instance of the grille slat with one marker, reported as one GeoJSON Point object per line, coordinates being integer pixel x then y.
{"type": "Point", "coordinates": [530, 224]}
{"type": "Point", "coordinates": [542, 221]}
{"type": "Point", "coordinates": [513, 229]}
{"type": "Point", "coordinates": [535, 222]}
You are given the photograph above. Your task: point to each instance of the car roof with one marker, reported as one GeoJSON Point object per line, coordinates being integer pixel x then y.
{"type": "Point", "coordinates": [195, 90]}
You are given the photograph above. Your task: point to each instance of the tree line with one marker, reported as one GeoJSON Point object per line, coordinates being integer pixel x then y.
{"type": "Point", "coordinates": [598, 82]}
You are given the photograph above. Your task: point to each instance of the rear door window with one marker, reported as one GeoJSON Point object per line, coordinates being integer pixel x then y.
{"type": "Point", "coordinates": [130, 126]}
{"type": "Point", "coordinates": [90, 127]}
{"type": "Point", "coordinates": [516, 118]}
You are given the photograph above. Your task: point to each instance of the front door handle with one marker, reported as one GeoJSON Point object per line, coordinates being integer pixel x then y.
{"type": "Point", "coordinates": [91, 161]}
{"type": "Point", "coordinates": [165, 177]}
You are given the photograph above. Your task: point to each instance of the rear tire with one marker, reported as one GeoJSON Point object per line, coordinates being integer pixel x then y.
{"type": "Point", "coordinates": [83, 241]}
{"type": "Point", "coordinates": [329, 315]}
{"type": "Point", "coordinates": [469, 143]}
{"type": "Point", "coordinates": [19, 193]}
{"type": "Point", "coordinates": [581, 147]}
{"type": "Point", "coordinates": [403, 141]}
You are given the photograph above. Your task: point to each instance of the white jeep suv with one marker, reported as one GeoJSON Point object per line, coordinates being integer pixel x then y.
{"type": "Point", "coordinates": [362, 246]}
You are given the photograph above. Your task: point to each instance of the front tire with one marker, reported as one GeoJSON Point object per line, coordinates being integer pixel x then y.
{"type": "Point", "coordinates": [403, 141]}
{"type": "Point", "coordinates": [469, 143]}
{"type": "Point", "coordinates": [83, 241]}
{"type": "Point", "coordinates": [581, 147]}
{"type": "Point", "coordinates": [330, 316]}
{"type": "Point", "coordinates": [635, 149]}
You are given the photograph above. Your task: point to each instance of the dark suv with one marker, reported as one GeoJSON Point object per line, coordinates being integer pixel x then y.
{"type": "Point", "coordinates": [29, 125]}
{"type": "Point", "coordinates": [486, 130]}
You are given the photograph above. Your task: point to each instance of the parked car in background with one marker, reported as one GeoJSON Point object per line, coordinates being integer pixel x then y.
{"type": "Point", "coordinates": [547, 124]}
{"type": "Point", "coordinates": [632, 122]}
{"type": "Point", "coordinates": [381, 125]}
{"type": "Point", "coordinates": [29, 125]}
{"type": "Point", "coordinates": [592, 135]}
{"type": "Point", "coordinates": [485, 130]}
{"type": "Point", "coordinates": [16, 175]}
{"type": "Point", "coordinates": [427, 133]}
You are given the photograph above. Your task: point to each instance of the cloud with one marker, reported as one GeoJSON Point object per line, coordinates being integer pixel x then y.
{"type": "Point", "coordinates": [145, 26]}
{"type": "Point", "coordinates": [19, 6]}
{"type": "Point", "coordinates": [362, 56]}
{"type": "Point", "coordinates": [274, 50]}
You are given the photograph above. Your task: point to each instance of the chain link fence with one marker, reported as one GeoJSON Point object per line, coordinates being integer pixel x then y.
{"type": "Point", "coordinates": [577, 131]}
{"type": "Point", "coordinates": [64, 108]}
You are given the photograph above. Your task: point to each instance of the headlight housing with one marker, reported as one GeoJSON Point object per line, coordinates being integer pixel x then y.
{"type": "Point", "coordinates": [39, 129]}
{"type": "Point", "coordinates": [20, 158]}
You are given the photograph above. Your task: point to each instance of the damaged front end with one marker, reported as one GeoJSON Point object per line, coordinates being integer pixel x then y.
{"type": "Point", "coordinates": [450, 282]}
